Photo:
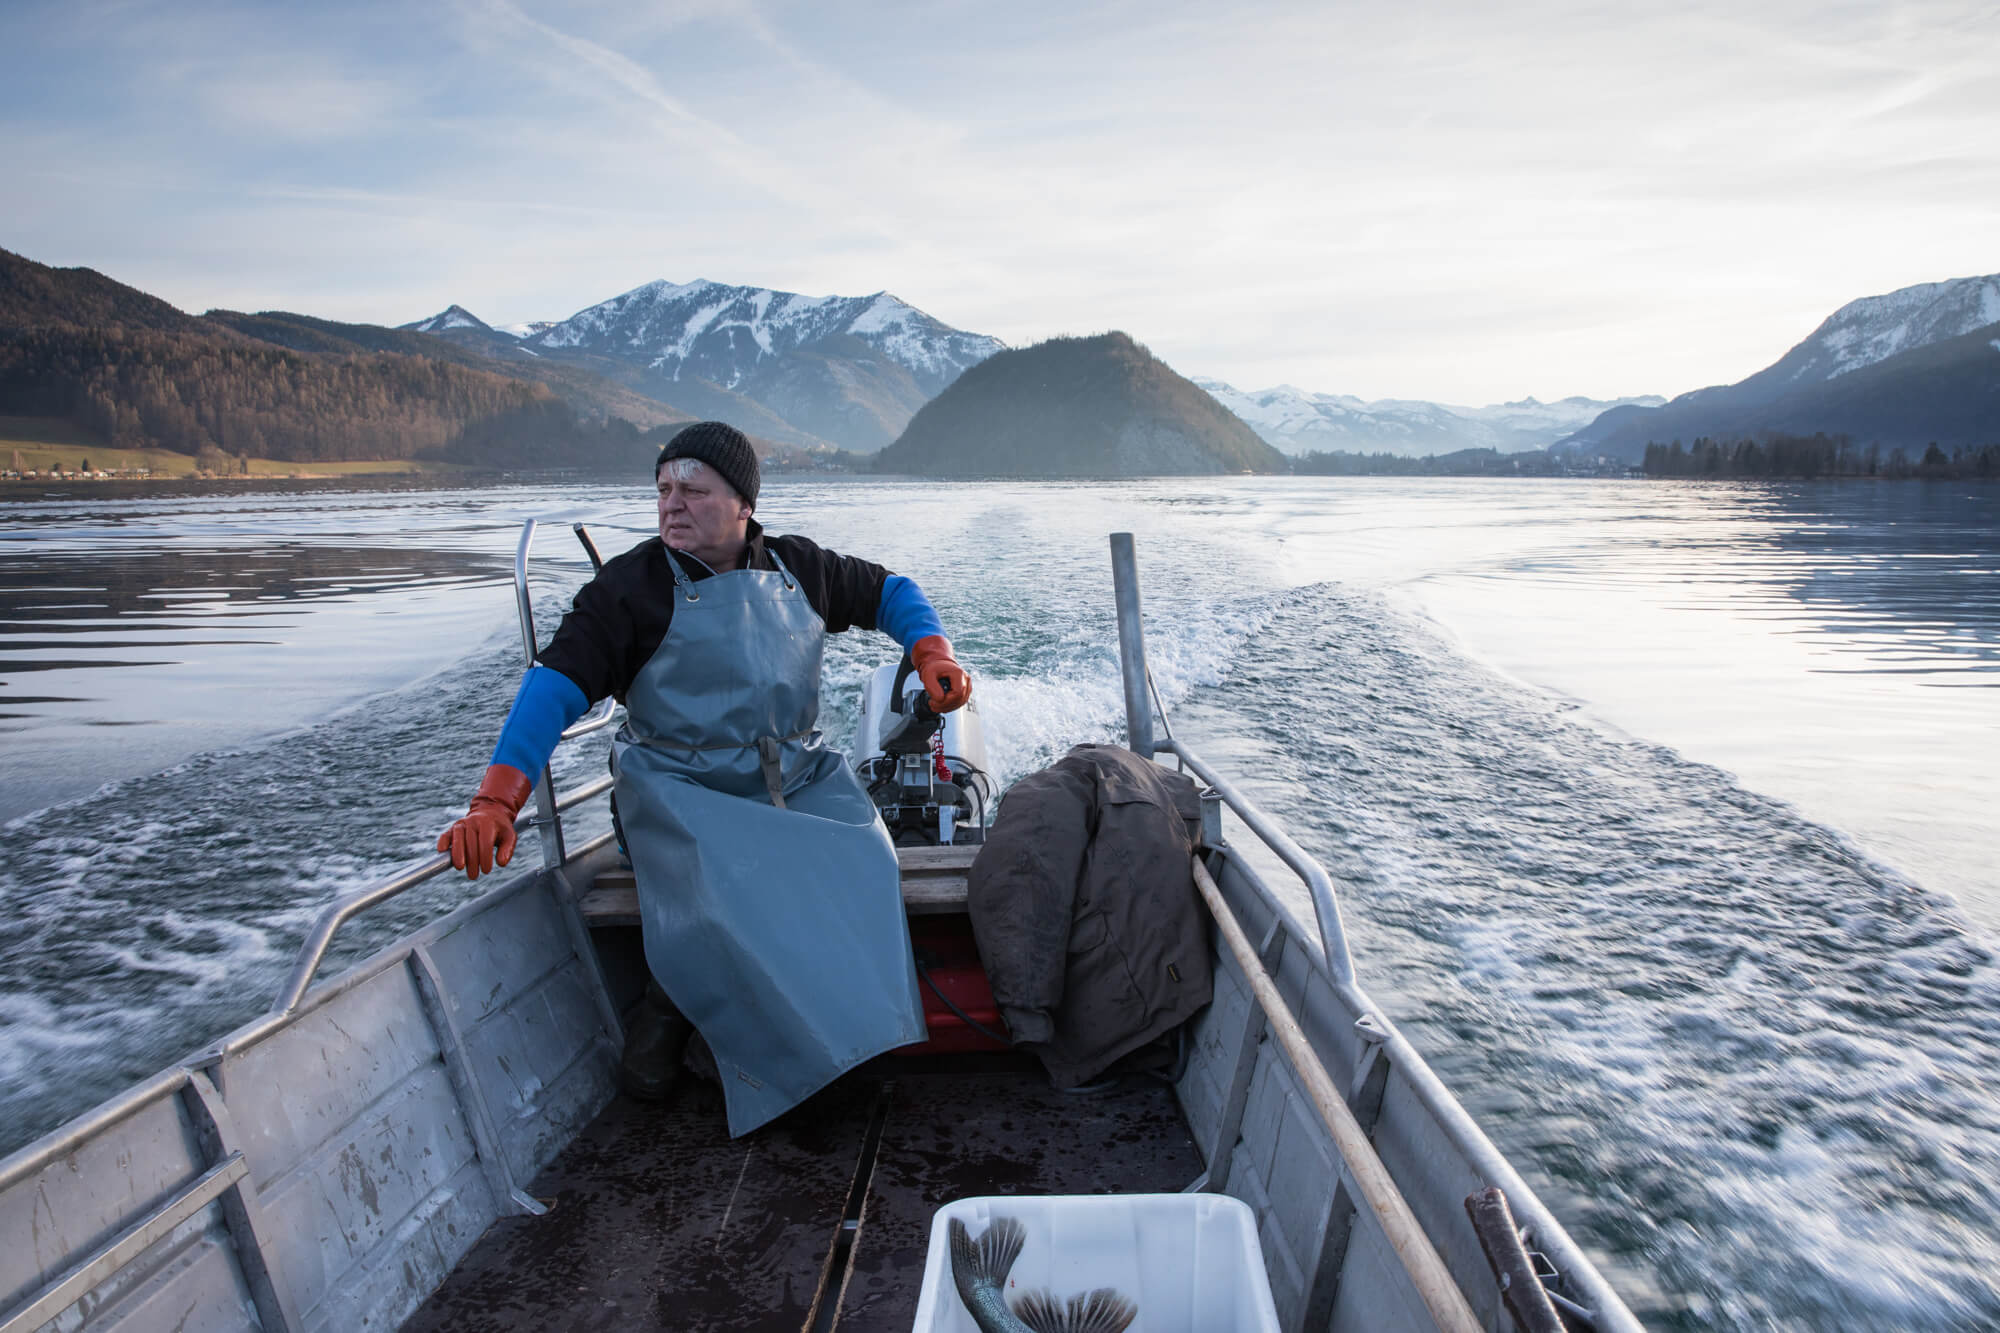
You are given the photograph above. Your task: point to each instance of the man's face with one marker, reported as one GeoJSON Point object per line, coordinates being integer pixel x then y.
{"type": "Point", "coordinates": [700, 514]}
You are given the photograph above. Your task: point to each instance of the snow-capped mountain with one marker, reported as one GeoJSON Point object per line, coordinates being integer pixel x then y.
{"type": "Point", "coordinates": [1298, 422]}
{"type": "Point", "coordinates": [807, 370]}
{"type": "Point", "coordinates": [1533, 417]}
{"type": "Point", "coordinates": [1875, 328]}
{"type": "Point", "coordinates": [723, 334]}
{"type": "Point", "coordinates": [451, 317]}
{"type": "Point", "coordinates": [1903, 369]}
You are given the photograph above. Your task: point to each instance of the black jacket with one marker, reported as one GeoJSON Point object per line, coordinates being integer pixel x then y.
{"type": "Point", "coordinates": [619, 618]}
{"type": "Point", "coordinates": [1085, 912]}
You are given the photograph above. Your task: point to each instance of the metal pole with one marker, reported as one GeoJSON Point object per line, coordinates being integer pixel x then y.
{"type": "Point", "coordinates": [1131, 645]}
{"type": "Point", "coordinates": [1426, 1268]}
{"type": "Point", "coordinates": [521, 602]}
{"type": "Point", "coordinates": [546, 823]}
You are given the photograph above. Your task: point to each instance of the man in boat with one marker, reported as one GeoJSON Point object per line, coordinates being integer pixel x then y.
{"type": "Point", "coordinates": [769, 894]}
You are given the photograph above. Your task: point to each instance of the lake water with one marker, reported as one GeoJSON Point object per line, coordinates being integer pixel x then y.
{"type": "Point", "coordinates": [1664, 812]}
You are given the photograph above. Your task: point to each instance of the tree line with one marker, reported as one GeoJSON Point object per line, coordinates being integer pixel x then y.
{"type": "Point", "coordinates": [1461, 463]}
{"type": "Point", "coordinates": [1807, 457]}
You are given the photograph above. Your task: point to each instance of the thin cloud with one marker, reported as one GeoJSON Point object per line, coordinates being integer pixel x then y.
{"type": "Point", "coordinates": [677, 121]}
{"type": "Point", "coordinates": [1363, 198]}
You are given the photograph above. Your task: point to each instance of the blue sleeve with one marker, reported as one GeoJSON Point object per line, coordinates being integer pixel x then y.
{"type": "Point", "coordinates": [905, 614]}
{"type": "Point", "coordinates": [547, 702]}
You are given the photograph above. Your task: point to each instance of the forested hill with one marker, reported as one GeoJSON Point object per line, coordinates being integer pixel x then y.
{"type": "Point", "coordinates": [594, 396]}
{"type": "Point", "coordinates": [1076, 407]}
{"type": "Point", "coordinates": [33, 295]}
{"type": "Point", "coordinates": [132, 371]}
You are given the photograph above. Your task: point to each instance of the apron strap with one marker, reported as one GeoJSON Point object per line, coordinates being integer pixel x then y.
{"type": "Point", "coordinates": [681, 580]}
{"type": "Point", "coordinates": [783, 573]}
{"type": "Point", "coordinates": [774, 774]}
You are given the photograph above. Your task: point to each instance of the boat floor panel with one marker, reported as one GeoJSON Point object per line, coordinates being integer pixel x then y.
{"type": "Point", "coordinates": [661, 1221]}
{"type": "Point", "coordinates": [952, 1138]}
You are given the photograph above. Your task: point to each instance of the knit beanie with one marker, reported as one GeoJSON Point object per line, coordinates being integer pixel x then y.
{"type": "Point", "coordinates": [722, 447]}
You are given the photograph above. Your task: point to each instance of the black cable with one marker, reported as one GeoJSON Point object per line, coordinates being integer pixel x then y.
{"type": "Point", "coordinates": [963, 1017]}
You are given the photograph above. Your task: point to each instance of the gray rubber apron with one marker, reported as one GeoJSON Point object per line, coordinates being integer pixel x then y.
{"type": "Point", "coordinates": [769, 894]}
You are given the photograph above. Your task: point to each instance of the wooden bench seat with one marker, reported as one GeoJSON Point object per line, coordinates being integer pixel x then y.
{"type": "Point", "coordinates": [933, 882]}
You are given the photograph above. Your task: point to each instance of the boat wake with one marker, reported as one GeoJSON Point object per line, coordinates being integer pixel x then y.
{"type": "Point", "coordinates": [1757, 1068]}
{"type": "Point", "coordinates": [159, 912]}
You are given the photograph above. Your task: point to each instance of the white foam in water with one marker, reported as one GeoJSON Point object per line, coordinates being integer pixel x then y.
{"type": "Point", "coordinates": [1032, 720]}
{"type": "Point", "coordinates": [35, 1028]}
{"type": "Point", "coordinates": [209, 952]}
{"type": "Point", "coordinates": [1076, 694]}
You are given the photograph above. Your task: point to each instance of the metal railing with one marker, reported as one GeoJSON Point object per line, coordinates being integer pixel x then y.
{"type": "Point", "coordinates": [313, 950]}
{"type": "Point", "coordinates": [227, 1170]}
{"type": "Point", "coordinates": [312, 953]}
{"type": "Point", "coordinates": [546, 821]}
{"type": "Point", "coordinates": [1319, 884]}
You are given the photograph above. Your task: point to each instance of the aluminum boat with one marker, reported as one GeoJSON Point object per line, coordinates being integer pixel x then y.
{"type": "Point", "coordinates": [432, 1138]}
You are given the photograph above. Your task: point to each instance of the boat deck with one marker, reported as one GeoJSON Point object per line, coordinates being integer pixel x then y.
{"type": "Point", "coordinates": [819, 1220]}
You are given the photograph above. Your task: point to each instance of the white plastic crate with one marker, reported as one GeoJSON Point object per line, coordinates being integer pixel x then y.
{"type": "Point", "coordinates": [1190, 1262]}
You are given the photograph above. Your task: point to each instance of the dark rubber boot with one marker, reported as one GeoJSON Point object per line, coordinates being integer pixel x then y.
{"type": "Point", "coordinates": [656, 1036]}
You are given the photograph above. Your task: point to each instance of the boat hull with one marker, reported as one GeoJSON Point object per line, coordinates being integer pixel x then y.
{"type": "Point", "coordinates": [381, 1128]}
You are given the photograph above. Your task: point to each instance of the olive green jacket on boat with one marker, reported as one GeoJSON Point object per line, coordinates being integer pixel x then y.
{"type": "Point", "coordinates": [1085, 911]}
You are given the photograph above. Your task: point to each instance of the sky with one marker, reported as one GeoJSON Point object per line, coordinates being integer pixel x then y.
{"type": "Point", "coordinates": [1462, 202]}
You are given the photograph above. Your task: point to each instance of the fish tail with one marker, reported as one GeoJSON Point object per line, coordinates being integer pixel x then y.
{"type": "Point", "coordinates": [986, 1261]}
{"type": "Point", "coordinates": [1100, 1311]}
{"type": "Point", "coordinates": [1039, 1311]}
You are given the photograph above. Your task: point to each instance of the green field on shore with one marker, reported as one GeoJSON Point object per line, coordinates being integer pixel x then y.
{"type": "Point", "coordinates": [44, 456]}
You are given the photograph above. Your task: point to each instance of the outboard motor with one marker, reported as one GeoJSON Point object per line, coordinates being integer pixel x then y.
{"type": "Point", "coordinates": [925, 771]}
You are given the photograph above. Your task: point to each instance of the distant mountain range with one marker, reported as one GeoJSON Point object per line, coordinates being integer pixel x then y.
{"type": "Point", "coordinates": [1076, 407]}
{"type": "Point", "coordinates": [1904, 370]}
{"type": "Point", "coordinates": [846, 371]}
{"type": "Point", "coordinates": [1297, 422]}
{"type": "Point", "coordinates": [804, 374]}
{"type": "Point", "coordinates": [797, 373]}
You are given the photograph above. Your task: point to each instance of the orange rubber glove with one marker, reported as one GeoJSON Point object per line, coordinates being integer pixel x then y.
{"type": "Point", "coordinates": [944, 679]}
{"type": "Point", "coordinates": [484, 838]}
